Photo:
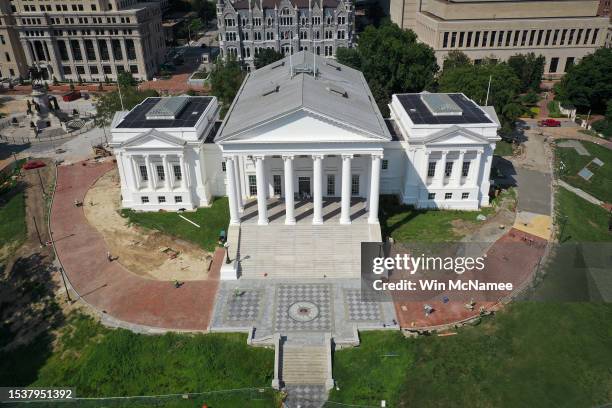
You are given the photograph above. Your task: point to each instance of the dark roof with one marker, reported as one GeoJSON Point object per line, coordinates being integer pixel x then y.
{"type": "Point", "coordinates": [421, 115]}
{"type": "Point", "coordinates": [187, 117]}
{"type": "Point", "coordinates": [270, 4]}
{"type": "Point", "coordinates": [396, 135]}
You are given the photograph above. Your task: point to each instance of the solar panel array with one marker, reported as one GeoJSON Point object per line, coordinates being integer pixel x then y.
{"type": "Point", "coordinates": [421, 115]}
{"type": "Point", "coordinates": [188, 116]}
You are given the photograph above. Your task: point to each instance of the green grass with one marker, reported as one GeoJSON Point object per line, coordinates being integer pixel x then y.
{"type": "Point", "coordinates": [580, 220]}
{"type": "Point", "coordinates": [503, 148]}
{"type": "Point", "coordinates": [553, 110]}
{"type": "Point", "coordinates": [405, 224]}
{"type": "Point", "coordinates": [101, 362]}
{"type": "Point", "coordinates": [12, 220]}
{"type": "Point", "coordinates": [600, 185]}
{"type": "Point", "coordinates": [211, 220]}
{"type": "Point", "coordinates": [532, 355]}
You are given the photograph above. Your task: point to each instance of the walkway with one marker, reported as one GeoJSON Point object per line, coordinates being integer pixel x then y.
{"type": "Point", "coordinates": [108, 287]}
{"type": "Point", "coordinates": [580, 193]}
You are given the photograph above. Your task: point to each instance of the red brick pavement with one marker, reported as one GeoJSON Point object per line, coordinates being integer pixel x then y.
{"type": "Point", "coordinates": [513, 258]}
{"type": "Point", "coordinates": [108, 286]}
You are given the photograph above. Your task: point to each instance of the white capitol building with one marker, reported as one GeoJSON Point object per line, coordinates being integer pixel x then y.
{"type": "Point", "coordinates": [305, 145]}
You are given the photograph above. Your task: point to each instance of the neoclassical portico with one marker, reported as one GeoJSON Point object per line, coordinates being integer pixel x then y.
{"type": "Point", "coordinates": [289, 192]}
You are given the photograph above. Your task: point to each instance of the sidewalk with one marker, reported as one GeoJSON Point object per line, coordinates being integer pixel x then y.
{"type": "Point", "coordinates": [107, 286]}
{"type": "Point", "coordinates": [580, 193]}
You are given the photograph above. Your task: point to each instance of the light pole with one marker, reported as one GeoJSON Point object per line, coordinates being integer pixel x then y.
{"type": "Point", "coordinates": [227, 258]}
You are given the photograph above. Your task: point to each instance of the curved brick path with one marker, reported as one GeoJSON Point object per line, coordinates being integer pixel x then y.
{"type": "Point", "coordinates": [108, 286]}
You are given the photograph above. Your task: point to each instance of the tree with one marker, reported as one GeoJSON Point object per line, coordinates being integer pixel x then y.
{"type": "Point", "coordinates": [109, 103]}
{"type": "Point", "coordinates": [455, 58]}
{"type": "Point", "coordinates": [349, 57]}
{"type": "Point", "coordinates": [392, 61]}
{"type": "Point", "coordinates": [588, 84]}
{"type": "Point", "coordinates": [194, 26]}
{"type": "Point", "coordinates": [225, 79]}
{"type": "Point", "coordinates": [266, 56]}
{"type": "Point", "coordinates": [126, 80]}
{"type": "Point", "coordinates": [473, 81]}
{"type": "Point", "coordinates": [206, 9]}
{"type": "Point", "coordinates": [529, 69]}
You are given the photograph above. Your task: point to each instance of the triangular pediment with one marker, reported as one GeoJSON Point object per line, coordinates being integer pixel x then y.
{"type": "Point", "coordinates": [303, 126]}
{"type": "Point", "coordinates": [153, 139]}
{"type": "Point", "coordinates": [455, 135]}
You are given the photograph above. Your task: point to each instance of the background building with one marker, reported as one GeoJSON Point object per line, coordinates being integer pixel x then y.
{"type": "Point", "coordinates": [319, 26]}
{"type": "Point", "coordinates": [12, 60]}
{"type": "Point", "coordinates": [91, 40]}
{"type": "Point", "coordinates": [561, 31]}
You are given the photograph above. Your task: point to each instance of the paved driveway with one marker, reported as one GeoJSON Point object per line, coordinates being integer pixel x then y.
{"type": "Point", "coordinates": [533, 191]}
{"type": "Point", "coordinates": [108, 286]}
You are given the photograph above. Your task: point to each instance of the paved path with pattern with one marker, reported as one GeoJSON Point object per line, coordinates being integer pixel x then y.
{"type": "Point", "coordinates": [110, 288]}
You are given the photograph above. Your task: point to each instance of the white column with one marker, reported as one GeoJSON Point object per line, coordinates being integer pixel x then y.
{"type": "Point", "coordinates": [456, 172]}
{"type": "Point", "coordinates": [474, 169]}
{"type": "Point", "coordinates": [150, 173]}
{"type": "Point", "coordinates": [486, 177]}
{"type": "Point", "coordinates": [425, 168]}
{"type": "Point", "coordinates": [318, 189]}
{"type": "Point", "coordinates": [440, 167]}
{"type": "Point", "coordinates": [262, 204]}
{"type": "Point", "coordinates": [238, 179]}
{"type": "Point", "coordinates": [168, 182]}
{"type": "Point", "coordinates": [345, 214]}
{"type": "Point", "coordinates": [183, 172]}
{"type": "Point", "coordinates": [232, 191]}
{"type": "Point", "coordinates": [374, 189]}
{"type": "Point", "coordinates": [135, 171]}
{"type": "Point", "coordinates": [289, 191]}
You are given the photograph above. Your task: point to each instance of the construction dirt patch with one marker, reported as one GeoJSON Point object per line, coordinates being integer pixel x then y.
{"type": "Point", "coordinates": [146, 253]}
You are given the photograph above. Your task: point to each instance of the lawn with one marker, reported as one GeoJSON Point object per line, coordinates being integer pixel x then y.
{"type": "Point", "coordinates": [211, 220]}
{"type": "Point", "coordinates": [579, 220]}
{"type": "Point", "coordinates": [600, 185]}
{"type": "Point", "coordinates": [553, 110]}
{"type": "Point", "coordinates": [503, 148]}
{"type": "Point", "coordinates": [12, 219]}
{"type": "Point", "coordinates": [406, 224]}
{"type": "Point", "coordinates": [531, 355]}
{"type": "Point", "coordinates": [102, 362]}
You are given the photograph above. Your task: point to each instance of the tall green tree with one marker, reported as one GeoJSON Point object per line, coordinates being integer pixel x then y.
{"type": "Point", "coordinates": [588, 84]}
{"type": "Point", "coordinates": [126, 80]}
{"type": "Point", "coordinates": [109, 103]}
{"type": "Point", "coordinates": [225, 79]}
{"type": "Point", "coordinates": [529, 69]}
{"type": "Point", "coordinates": [392, 61]}
{"type": "Point", "coordinates": [473, 81]}
{"type": "Point", "coordinates": [266, 56]}
{"type": "Point", "coordinates": [454, 59]}
{"type": "Point", "coordinates": [206, 9]}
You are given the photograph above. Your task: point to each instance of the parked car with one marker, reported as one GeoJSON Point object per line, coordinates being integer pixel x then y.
{"type": "Point", "coordinates": [71, 96]}
{"type": "Point", "coordinates": [549, 123]}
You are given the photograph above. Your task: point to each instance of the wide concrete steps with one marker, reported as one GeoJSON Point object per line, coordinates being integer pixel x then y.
{"type": "Point", "coordinates": [302, 251]}
{"type": "Point", "coordinates": [304, 365]}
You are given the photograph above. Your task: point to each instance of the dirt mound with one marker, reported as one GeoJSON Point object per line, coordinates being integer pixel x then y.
{"type": "Point", "coordinates": [144, 252]}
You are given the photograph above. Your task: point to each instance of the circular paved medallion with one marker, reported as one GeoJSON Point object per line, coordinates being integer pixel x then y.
{"type": "Point", "coordinates": [303, 311]}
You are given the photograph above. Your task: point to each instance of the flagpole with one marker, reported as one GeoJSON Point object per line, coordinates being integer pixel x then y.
{"type": "Point", "coordinates": [488, 89]}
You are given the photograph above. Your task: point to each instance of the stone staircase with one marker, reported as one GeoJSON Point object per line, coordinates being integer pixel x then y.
{"type": "Point", "coordinates": [305, 370]}
{"type": "Point", "coordinates": [302, 251]}
{"type": "Point", "coordinates": [304, 365]}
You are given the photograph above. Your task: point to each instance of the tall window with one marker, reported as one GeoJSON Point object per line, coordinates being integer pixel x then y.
{"type": "Point", "coordinates": [276, 180]}
{"type": "Point", "coordinates": [355, 185]}
{"type": "Point", "coordinates": [331, 185]}
{"type": "Point", "coordinates": [178, 175]}
{"type": "Point", "coordinates": [252, 185]}
{"type": "Point", "coordinates": [554, 62]}
{"type": "Point", "coordinates": [465, 169]}
{"type": "Point", "coordinates": [144, 176]}
{"type": "Point", "coordinates": [160, 173]}
{"type": "Point", "coordinates": [384, 164]}
{"type": "Point", "coordinates": [448, 168]}
{"type": "Point", "coordinates": [431, 169]}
